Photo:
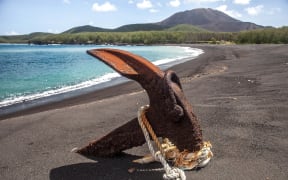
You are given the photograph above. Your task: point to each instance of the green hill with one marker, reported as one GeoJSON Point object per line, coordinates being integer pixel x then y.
{"type": "Point", "coordinates": [139, 27]}
{"type": "Point", "coordinates": [23, 38]}
{"type": "Point", "coordinates": [187, 27]}
{"type": "Point", "coordinates": [86, 28]}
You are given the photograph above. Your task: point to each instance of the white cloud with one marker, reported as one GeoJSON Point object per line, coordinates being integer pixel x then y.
{"type": "Point", "coordinates": [174, 3]}
{"type": "Point", "coordinates": [153, 10]}
{"type": "Point", "coordinates": [12, 33]}
{"type": "Point", "coordinates": [254, 11]}
{"type": "Point", "coordinates": [53, 31]}
{"type": "Point", "coordinates": [145, 4]}
{"type": "Point", "coordinates": [201, 1]}
{"type": "Point", "coordinates": [130, 2]}
{"type": "Point", "coordinates": [232, 13]}
{"type": "Point", "coordinates": [67, 1]}
{"type": "Point", "coordinates": [274, 11]}
{"type": "Point", "coordinates": [105, 7]}
{"type": "Point", "coordinates": [242, 2]}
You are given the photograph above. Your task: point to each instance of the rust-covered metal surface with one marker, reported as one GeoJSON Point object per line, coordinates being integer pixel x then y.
{"type": "Point", "coordinates": [170, 114]}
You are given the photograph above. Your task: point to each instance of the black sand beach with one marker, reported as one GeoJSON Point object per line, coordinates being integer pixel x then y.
{"type": "Point", "coordinates": [239, 93]}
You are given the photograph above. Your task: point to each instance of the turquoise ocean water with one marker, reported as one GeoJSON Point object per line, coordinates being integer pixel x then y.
{"type": "Point", "coordinates": [31, 72]}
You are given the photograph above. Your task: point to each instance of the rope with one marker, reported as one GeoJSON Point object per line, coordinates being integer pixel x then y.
{"type": "Point", "coordinates": [170, 173]}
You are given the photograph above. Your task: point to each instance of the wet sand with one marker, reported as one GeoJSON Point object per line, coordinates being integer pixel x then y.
{"type": "Point", "coordinates": [238, 92]}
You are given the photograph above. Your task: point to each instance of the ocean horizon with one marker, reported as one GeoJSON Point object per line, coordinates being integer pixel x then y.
{"type": "Point", "coordinates": [32, 75]}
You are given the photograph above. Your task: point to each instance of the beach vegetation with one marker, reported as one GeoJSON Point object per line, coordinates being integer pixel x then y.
{"type": "Point", "coordinates": [179, 34]}
{"type": "Point", "coordinates": [263, 36]}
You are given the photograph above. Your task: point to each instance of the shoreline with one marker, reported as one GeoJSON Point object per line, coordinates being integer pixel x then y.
{"type": "Point", "coordinates": [84, 95]}
{"type": "Point", "coordinates": [238, 92]}
{"type": "Point", "coordinates": [83, 98]}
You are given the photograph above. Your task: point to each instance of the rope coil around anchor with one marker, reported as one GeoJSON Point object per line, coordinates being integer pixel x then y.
{"type": "Point", "coordinates": [170, 173]}
{"type": "Point", "coordinates": [168, 151]}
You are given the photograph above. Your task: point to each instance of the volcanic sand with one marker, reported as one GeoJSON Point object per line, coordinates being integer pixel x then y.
{"type": "Point", "coordinates": [239, 93]}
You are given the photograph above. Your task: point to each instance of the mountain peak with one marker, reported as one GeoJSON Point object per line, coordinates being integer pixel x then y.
{"type": "Point", "coordinates": [209, 19]}
{"type": "Point", "coordinates": [202, 18]}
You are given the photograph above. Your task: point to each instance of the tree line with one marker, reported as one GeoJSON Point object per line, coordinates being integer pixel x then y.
{"type": "Point", "coordinates": [261, 36]}
{"type": "Point", "coordinates": [138, 37]}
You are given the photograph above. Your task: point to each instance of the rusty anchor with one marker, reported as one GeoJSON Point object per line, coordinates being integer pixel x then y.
{"type": "Point", "coordinates": [170, 114]}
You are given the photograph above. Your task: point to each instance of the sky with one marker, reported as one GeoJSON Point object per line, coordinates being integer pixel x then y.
{"type": "Point", "coordinates": [55, 16]}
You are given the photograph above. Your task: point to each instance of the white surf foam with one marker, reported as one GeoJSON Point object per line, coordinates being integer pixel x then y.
{"type": "Point", "coordinates": [65, 89]}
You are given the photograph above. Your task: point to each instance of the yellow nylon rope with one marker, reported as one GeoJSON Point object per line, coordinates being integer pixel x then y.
{"type": "Point", "coordinates": [151, 132]}
{"type": "Point", "coordinates": [184, 160]}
